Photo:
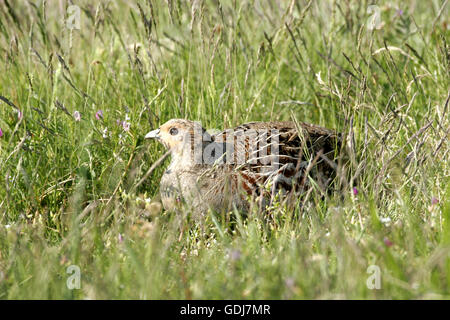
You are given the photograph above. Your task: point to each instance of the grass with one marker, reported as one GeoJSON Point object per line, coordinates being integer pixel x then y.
{"type": "Point", "coordinates": [69, 192]}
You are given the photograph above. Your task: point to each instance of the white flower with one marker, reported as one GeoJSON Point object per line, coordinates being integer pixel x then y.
{"type": "Point", "coordinates": [319, 79]}
{"type": "Point", "coordinates": [386, 221]}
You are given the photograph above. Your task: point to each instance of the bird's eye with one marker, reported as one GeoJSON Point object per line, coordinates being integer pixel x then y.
{"type": "Point", "coordinates": [173, 131]}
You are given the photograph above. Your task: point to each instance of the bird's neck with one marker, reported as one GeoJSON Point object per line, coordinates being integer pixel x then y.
{"type": "Point", "coordinates": [187, 155]}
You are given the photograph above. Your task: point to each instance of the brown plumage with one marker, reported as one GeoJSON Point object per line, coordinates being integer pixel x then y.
{"type": "Point", "coordinates": [222, 170]}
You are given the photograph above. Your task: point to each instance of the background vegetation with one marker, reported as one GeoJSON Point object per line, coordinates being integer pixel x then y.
{"type": "Point", "coordinates": [75, 105]}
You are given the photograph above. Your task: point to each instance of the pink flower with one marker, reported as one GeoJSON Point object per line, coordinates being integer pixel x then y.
{"type": "Point", "coordinates": [99, 115]}
{"type": "Point", "coordinates": [1, 133]}
{"type": "Point", "coordinates": [120, 238]}
{"type": "Point", "coordinates": [387, 242]}
{"type": "Point", "coordinates": [19, 114]}
{"type": "Point", "coordinates": [434, 201]}
{"type": "Point", "coordinates": [77, 116]}
{"type": "Point", "coordinates": [126, 126]}
{"type": "Point", "coordinates": [355, 191]}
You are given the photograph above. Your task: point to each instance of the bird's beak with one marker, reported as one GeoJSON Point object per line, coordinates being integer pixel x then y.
{"type": "Point", "coordinates": [152, 134]}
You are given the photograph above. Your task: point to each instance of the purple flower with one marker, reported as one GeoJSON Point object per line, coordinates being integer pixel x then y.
{"type": "Point", "coordinates": [77, 115]}
{"type": "Point", "coordinates": [235, 255]}
{"type": "Point", "coordinates": [434, 201]}
{"type": "Point", "coordinates": [1, 133]}
{"type": "Point", "coordinates": [355, 191]}
{"type": "Point", "coordinates": [387, 242]}
{"type": "Point", "coordinates": [19, 114]}
{"type": "Point", "coordinates": [399, 12]}
{"type": "Point", "coordinates": [289, 282]}
{"type": "Point", "coordinates": [120, 238]}
{"type": "Point", "coordinates": [99, 115]}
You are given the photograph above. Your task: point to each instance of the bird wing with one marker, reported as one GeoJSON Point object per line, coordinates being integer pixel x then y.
{"type": "Point", "coordinates": [279, 153]}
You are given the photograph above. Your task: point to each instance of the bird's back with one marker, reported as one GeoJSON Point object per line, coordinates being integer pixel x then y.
{"type": "Point", "coordinates": [280, 153]}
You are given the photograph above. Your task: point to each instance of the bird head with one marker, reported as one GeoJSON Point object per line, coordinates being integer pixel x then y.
{"type": "Point", "coordinates": [181, 137]}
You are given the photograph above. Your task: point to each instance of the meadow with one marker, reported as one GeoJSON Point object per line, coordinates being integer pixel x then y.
{"type": "Point", "coordinates": [82, 82]}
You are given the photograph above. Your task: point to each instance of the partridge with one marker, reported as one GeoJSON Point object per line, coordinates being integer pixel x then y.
{"type": "Point", "coordinates": [222, 171]}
